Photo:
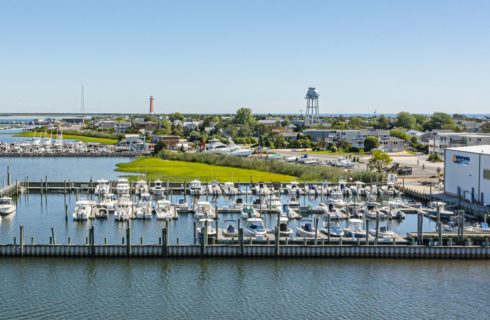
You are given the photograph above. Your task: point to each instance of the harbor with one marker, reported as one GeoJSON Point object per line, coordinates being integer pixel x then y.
{"type": "Point", "coordinates": [108, 218]}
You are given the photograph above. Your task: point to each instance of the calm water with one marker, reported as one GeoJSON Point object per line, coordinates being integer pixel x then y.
{"type": "Point", "coordinates": [86, 288]}
{"type": "Point", "coordinates": [38, 213]}
{"type": "Point", "coordinates": [243, 289]}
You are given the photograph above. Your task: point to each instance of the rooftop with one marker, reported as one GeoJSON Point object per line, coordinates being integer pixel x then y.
{"type": "Point", "coordinates": [482, 149]}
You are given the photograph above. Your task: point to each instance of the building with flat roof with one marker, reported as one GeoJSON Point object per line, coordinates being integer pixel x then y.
{"type": "Point", "coordinates": [467, 173]}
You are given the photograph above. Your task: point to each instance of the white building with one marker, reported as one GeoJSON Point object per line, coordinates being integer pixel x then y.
{"type": "Point", "coordinates": [467, 173]}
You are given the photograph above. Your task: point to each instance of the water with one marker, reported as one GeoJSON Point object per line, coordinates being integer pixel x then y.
{"type": "Point", "coordinates": [39, 213]}
{"type": "Point", "coordinates": [33, 288]}
{"type": "Point", "coordinates": [243, 289]}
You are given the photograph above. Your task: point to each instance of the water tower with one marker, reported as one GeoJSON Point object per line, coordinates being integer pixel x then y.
{"type": "Point", "coordinates": [312, 109]}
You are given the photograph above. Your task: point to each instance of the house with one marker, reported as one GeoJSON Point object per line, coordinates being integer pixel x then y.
{"type": "Point", "coordinates": [170, 141]}
{"type": "Point", "coordinates": [122, 127]}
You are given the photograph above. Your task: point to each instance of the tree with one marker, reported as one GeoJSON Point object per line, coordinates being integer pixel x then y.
{"type": "Point", "coordinates": [382, 122]}
{"type": "Point", "coordinates": [440, 120]}
{"type": "Point", "coordinates": [400, 133]}
{"type": "Point", "coordinates": [159, 147]}
{"type": "Point", "coordinates": [371, 143]}
{"type": "Point", "coordinates": [405, 120]}
{"type": "Point", "coordinates": [379, 160]}
{"type": "Point", "coordinates": [244, 117]}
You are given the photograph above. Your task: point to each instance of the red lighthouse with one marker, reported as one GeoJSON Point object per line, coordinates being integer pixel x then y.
{"type": "Point", "coordinates": [152, 106]}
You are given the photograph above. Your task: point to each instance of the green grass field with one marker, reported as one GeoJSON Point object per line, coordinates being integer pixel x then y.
{"type": "Point", "coordinates": [74, 137]}
{"type": "Point", "coordinates": [180, 171]}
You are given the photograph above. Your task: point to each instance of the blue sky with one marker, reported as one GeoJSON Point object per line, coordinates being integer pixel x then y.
{"type": "Point", "coordinates": [216, 56]}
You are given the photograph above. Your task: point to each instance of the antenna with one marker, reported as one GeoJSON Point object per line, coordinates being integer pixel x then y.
{"type": "Point", "coordinates": [82, 101]}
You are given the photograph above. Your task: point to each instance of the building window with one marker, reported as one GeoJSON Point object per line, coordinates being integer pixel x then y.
{"type": "Point", "coordinates": [486, 174]}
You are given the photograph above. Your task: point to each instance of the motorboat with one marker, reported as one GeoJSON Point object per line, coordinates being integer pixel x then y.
{"type": "Point", "coordinates": [333, 231]}
{"type": "Point", "coordinates": [254, 228]}
{"type": "Point", "coordinates": [344, 189]}
{"type": "Point", "coordinates": [101, 212]}
{"type": "Point", "coordinates": [284, 229]}
{"type": "Point", "coordinates": [271, 203]}
{"type": "Point", "coordinates": [287, 211]}
{"type": "Point", "coordinates": [229, 189]}
{"type": "Point", "coordinates": [305, 229]}
{"type": "Point", "coordinates": [383, 233]}
{"type": "Point", "coordinates": [165, 210]}
{"type": "Point", "coordinates": [141, 187]}
{"type": "Point", "coordinates": [371, 211]}
{"type": "Point", "coordinates": [359, 189]}
{"type": "Point", "coordinates": [124, 209]}
{"type": "Point", "coordinates": [211, 230]}
{"type": "Point", "coordinates": [182, 204]}
{"type": "Point", "coordinates": [195, 187]}
{"type": "Point", "coordinates": [84, 210]}
{"type": "Point", "coordinates": [230, 229]}
{"type": "Point", "coordinates": [329, 209]}
{"type": "Point", "coordinates": [7, 206]}
{"type": "Point", "coordinates": [203, 209]}
{"type": "Point", "coordinates": [311, 190]}
{"type": "Point", "coordinates": [108, 202]}
{"type": "Point", "coordinates": [236, 205]}
{"type": "Point", "coordinates": [143, 209]}
{"type": "Point", "coordinates": [293, 188]}
{"type": "Point", "coordinates": [293, 202]}
{"type": "Point", "coordinates": [158, 189]}
{"type": "Point", "coordinates": [102, 187]}
{"type": "Point", "coordinates": [436, 208]}
{"type": "Point", "coordinates": [392, 210]}
{"type": "Point", "coordinates": [262, 189]}
{"type": "Point", "coordinates": [355, 229]}
{"type": "Point", "coordinates": [122, 186]}
{"type": "Point", "coordinates": [389, 189]}
{"type": "Point", "coordinates": [213, 188]}
{"type": "Point", "coordinates": [248, 211]}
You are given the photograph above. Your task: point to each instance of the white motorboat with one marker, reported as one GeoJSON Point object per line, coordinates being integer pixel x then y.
{"type": "Point", "coordinates": [7, 206]}
{"type": "Point", "coordinates": [195, 187]}
{"type": "Point", "coordinates": [84, 209]}
{"type": "Point", "coordinates": [203, 209]}
{"type": "Point", "coordinates": [211, 230]}
{"type": "Point", "coordinates": [312, 190]}
{"type": "Point", "coordinates": [287, 211]}
{"type": "Point", "coordinates": [293, 188]}
{"type": "Point", "coordinates": [248, 211]}
{"type": "Point", "coordinates": [124, 209]}
{"type": "Point", "coordinates": [229, 189]}
{"type": "Point", "coordinates": [254, 228]}
{"type": "Point", "coordinates": [333, 231]}
{"type": "Point", "coordinates": [389, 189]}
{"type": "Point", "coordinates": [438, 206]}
{"type": "Point", "coordinates": [230, 229]}
{"type": "Point", "coordinates": [108, 202]}
{"type": "Point", "coordinates": [165, 210]}
{"type": "Point", "coordinates": [262, 189]}
{"type": "Point", "coordinates": [122, 186]}
{"type": "Point", "coordinates": [305, 229]}
{"type": "Point", "coordinates": [330, 210]}
{"type": "Point", "coordinates": [143, 209]}
{"type": "Point", "coordinates": [158, 189]}
{"type": "Point", "coordinates": [284, 229]}
{"type": "Point", "coordinates": [355, 229]}
{"type": "Point", "coordinates": [236, 205]}
{"type": "Point", "coordinates": [214, 188]}
{"type": "Point", "coordinates": [141, 187]}
{"type": "Point", "coordinates": [383, 233]}
{"type": "Point", "coordinates": [271, 203]}
{"type": "Point", "coordinates": [102, 187]}
{"type": "Point", "coordinates": [392, 210]}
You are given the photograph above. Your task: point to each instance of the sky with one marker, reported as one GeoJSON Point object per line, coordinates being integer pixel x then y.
{"type": "Point", "coordinates": [211, 56]}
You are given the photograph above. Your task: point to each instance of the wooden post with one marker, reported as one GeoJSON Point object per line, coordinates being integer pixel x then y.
{"type": "Point", "coordinates": [316, 230]}
{"type": "Point", "coordinates": [92, 243]}
{"type": "Point", "coordinates": [216, 222]}
{"type": "Point", "coordinates": [328, 228]}
{"type": "Point", "coordinates": [240, 240]}
{"type": "Point", "coordinates": [377, 228]}
{"type": "Point", "coordinates": [195, 231]}
{"type": "Point", "coordinates": [128, 240]}
{"type": "Point", "coordinates": [276, 243]}
{"type": "Point", "coordinates": [66, 212]}
{"type": "Point", "coordinates": [367, 232]}
{"type": "Point", "coordinates": [52, 235]}
{"type": "Point", "coordinates": [164, 242]}
{"type": "Point", "coordinates": [21, 240]}
{"type": "Point", "coordinates": [185, 192]}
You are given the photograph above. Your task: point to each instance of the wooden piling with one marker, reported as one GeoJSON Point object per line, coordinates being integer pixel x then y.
{"type": "Point", "coordinates": [128, 240]}
{"type": "Point", "coordinates": [52, 235]}
{"type": "Point", "coordinates": [316, 230]}
{"type": "Point", "coordinates": [377, 228]}
{"type": "Point", "coordinates": [21, 240]}
{"type": "Point", "coordinates": [367, 232]}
